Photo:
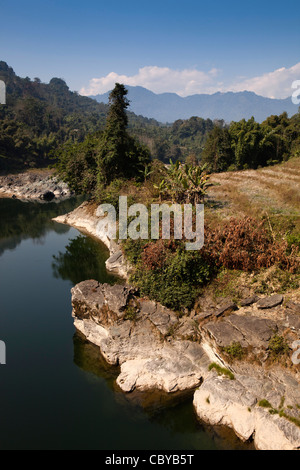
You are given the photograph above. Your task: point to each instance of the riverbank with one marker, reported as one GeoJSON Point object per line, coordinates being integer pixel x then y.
{"type": "Point", "coordinates": [156, 348]}
{"type": "Point", "coordinates": [34, 185]}
{"type": "Point", "coordinates": [84, 218]}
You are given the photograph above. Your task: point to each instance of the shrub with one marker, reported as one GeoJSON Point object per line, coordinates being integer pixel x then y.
{"type": "Point", "coordinates": [235, 351]}
{"type": "Point", "coordinates": [166, 272]}
{"type": "Point", "coordinates": [130, 313]}
{"type": "Point", "coordinates": [247, 245]}
{"type": "Point", "coordinates": [133, 249]}
{"type": "Point", "coordinates": [171, 275]}
{"type": "Point", "coordinates": [265, 404]}
{"type": "Point", "coordinates": [278, 346]}
{"type": "Point", "coordinates": [221, 370]}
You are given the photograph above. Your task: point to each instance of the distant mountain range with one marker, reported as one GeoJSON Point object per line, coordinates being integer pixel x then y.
{"type": "Point", "coordinates": [168, 107]}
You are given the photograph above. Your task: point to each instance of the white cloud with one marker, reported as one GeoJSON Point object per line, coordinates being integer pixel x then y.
{"type": "Point", "coordinates": [276, 84]}
{"type": "Point", "coordinates": [157, 79]}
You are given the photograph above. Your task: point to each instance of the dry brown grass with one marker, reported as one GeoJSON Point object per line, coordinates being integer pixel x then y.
{"type": "Point", "coordinates": [254, 192]}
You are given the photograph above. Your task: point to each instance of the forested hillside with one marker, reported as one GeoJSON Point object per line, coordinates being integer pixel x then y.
{"type": "Point", "coordinates": [40, 119]}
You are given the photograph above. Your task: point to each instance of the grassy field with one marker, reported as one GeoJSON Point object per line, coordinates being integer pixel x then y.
{"type": "Point", "coordinates": [272, 194]}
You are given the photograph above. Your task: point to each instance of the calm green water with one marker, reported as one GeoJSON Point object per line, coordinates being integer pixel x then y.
{"type": "Point", "coordinates": [55, 391]}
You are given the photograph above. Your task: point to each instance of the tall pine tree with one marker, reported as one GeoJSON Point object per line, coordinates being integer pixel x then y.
{"type": "Point", "coordinates": [120, 154]}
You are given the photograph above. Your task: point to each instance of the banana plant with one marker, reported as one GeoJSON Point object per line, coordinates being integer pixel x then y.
{"type": "Point", "coordinates": [185, 183]}
{"type": "Point", "coordinates": [146, 172]}
{"type": "Point", "coordinates": [162, 188]}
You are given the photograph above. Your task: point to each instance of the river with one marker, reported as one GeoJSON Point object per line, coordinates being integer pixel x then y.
{"type": "Point", "coordinates": [56, 392]}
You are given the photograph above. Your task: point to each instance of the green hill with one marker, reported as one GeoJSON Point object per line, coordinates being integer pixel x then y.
{"type": "Point", "coordinates": [38, 118]}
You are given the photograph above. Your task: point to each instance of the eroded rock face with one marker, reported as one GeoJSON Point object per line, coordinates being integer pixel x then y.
{"type": "Point", "coordinates": [224, 333]}
{"type": "Point", "coordinates": [249, 331]}
{"type": "Point", "coordinates": [34, 186]}
{"type": "Point", "coordinates": [249, 300]}
{"type": "Point", "coordinates": [134, 334]}
{"type": "Point", "coordinates": [155, 349]}
{"type": "Point", "coordinates": [220, 401]}
{"type": "Point", "coordinates": [256, 331]}
{"type": "Point", "coordinates": [227, 307]}
{"type": "Point", "coordinates": [230, 403]}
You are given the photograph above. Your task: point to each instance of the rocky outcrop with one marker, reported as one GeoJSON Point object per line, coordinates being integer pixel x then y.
{"type": "Point", "coordinates": [247, 331]}
{"type": "Point", "coordinates": [257, 381]}
{"type": "Point", "coordinates": [220, 401]}
{"type": "Point", "coordinates": [39, 186]}
{"type": "Point", "coordinates": [156, 349]}
{"type": "Point", "coordinates": [270, 302]}
{"type": "Point", "coordinates": [135, 334]}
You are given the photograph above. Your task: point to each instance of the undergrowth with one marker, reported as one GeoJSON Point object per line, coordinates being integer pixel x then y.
{"type": "Point", "coordinates": [165, 271]}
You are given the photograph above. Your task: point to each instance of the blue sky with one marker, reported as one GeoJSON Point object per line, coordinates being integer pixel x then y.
{"type": "Point", "coordinates": [181, 46]}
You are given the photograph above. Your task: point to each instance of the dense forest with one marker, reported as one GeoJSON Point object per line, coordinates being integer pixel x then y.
{"type": "Point", "coordinates": [38, 118]}
{"type": "Point", "coordinates": [248, 144]}
{"type": "Point", "coordinates": [41, 122]}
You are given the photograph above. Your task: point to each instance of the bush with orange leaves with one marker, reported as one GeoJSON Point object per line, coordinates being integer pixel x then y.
{"type": "Point", "coordinates": [155, 253]}
{"type": "Point", "coordinates": [247, 245]}
{"type": "Point", "coordinates": [166, 272]}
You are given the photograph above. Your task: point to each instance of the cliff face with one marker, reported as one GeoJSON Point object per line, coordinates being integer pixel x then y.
{"type": "Point", "coordinates": [157, 349]}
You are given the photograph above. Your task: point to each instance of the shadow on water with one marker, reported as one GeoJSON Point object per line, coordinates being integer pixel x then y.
{"type": "Point", "coordinates": [174, 412]}
{"type": "Point", "coordinates": [84, 258]}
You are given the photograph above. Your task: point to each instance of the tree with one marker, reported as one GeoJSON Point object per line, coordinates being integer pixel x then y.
{"type": "Point", "coordinates": [120, 155]}
{"type": "Point", "coordinates": [246, 139]}
{"type": "Point", "coordinates": [217, 152]}
{"type": "Point", "coordinates": [77, 164]}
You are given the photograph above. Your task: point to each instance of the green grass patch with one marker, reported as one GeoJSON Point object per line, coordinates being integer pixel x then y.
{"type": "Point", "coordinates": [265, 404]}
{"type": "Point", "coordinates": [221, 370]}
{"type": "Point", "coordinates": [235, 351]}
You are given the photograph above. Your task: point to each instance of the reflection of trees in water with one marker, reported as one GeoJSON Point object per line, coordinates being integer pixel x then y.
{"type": "Point", "coordinates": [22, 220]}
{"type": "Point", "coordinates": [83, 259]}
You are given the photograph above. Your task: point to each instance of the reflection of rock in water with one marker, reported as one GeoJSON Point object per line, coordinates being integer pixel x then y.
{"type": "Point", "coordinates": [153, 401]}
{"type": "Point", "coordinates": [88, 357]}
{"type": "Point", "coordinates": [225, 438]}
{"type": "Point", "coordinates": [172, 411]}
